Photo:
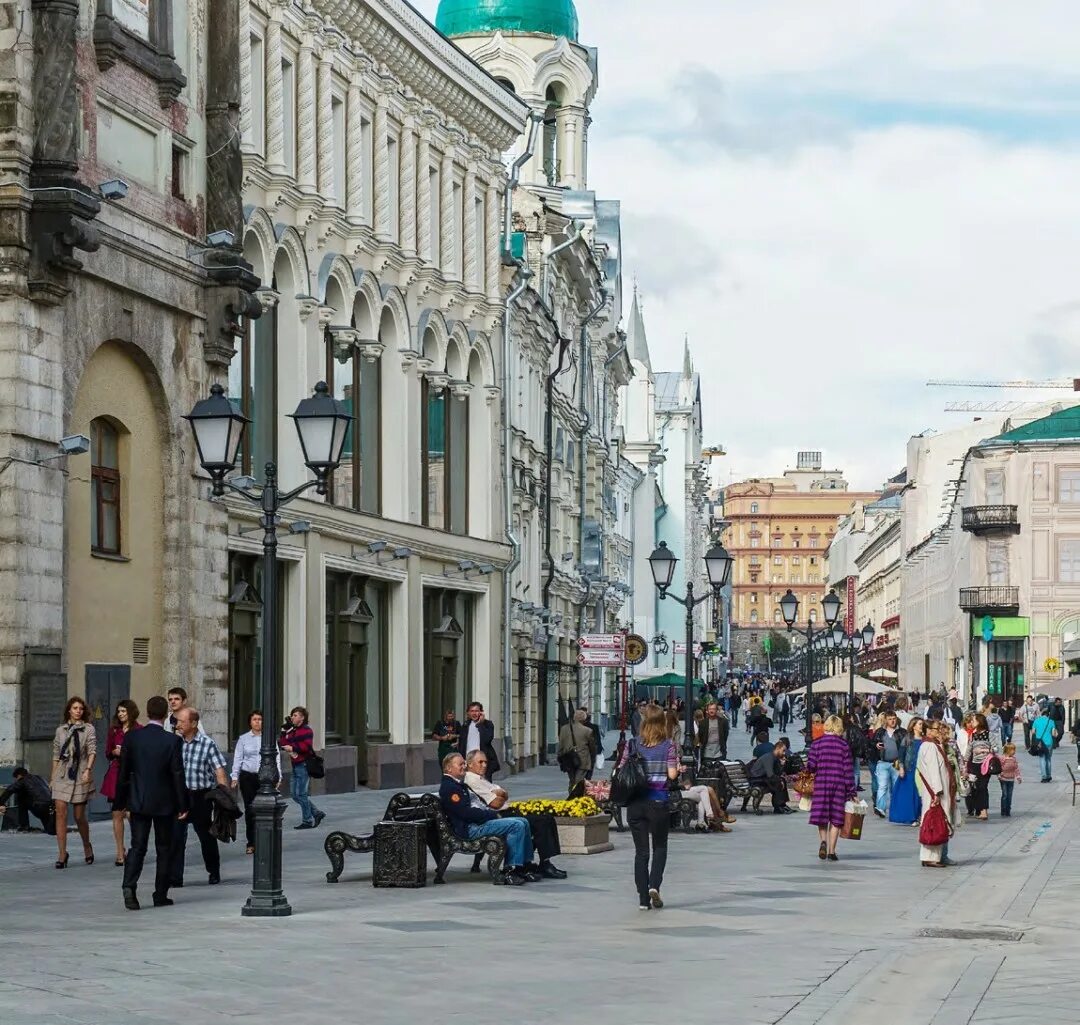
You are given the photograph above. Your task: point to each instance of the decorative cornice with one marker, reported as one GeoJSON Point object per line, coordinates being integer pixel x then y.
{"type": "Point", "coordinates": [371, 349]}
{"type": "Point", "coordinates": [306, 305]}
{"type": "Point", "coordinates": [416, 53]}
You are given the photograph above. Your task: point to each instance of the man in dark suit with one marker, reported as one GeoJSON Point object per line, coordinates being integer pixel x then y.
{"type": "Point", "coordinates": [151, 786]}
{"type": "Point", "coordinates": [479, 735]}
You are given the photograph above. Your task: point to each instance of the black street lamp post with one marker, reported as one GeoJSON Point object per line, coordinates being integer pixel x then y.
{"type": "Point", "coordinates": [789, 609]}
{"type": "Point", "coordinates": [851, 645]}
{"type": "Point", "coordinates": [322, 424]}
{"type": "Point", "coordinates": [718, 568]}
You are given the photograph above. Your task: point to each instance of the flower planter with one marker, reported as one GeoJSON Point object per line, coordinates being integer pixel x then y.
{"type": "Point", "coordinates": [587, 835]}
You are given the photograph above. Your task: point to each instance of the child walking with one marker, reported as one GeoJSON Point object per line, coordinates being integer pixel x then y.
{"type": "Point", "coordinates": [1010, 774]}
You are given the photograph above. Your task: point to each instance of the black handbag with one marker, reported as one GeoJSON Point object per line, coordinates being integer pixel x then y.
{"type": "Point", "coordinates": [630, 781]}
{"type": "Point", "coordinates": [316, 767]}
{"type": "Point", "coordinates": [570, 761]}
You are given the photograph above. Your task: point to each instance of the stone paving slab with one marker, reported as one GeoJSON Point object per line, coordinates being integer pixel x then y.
{"type": "Point", "coordinates": [756, 929]}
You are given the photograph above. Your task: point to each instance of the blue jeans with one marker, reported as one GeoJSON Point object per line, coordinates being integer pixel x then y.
{"type": "Point", "coordinates": [516, 832]}
{"type": "Point", "coordinates": [858, 773]}
{"type": "Point", "coordinates": [1006, 796]}
{"type": "Point", "coordinates": [886, 780]}
{"type": "Point", "coordinates": [1044, 761]}
{"type": "Point", "coordinates": [1006, 732]}
{"type": "Point", "coordinates": [301, 784]}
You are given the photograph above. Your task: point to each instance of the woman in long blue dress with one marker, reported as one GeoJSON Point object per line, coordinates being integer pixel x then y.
{"type": "Point", "coordinates": [906, 805]}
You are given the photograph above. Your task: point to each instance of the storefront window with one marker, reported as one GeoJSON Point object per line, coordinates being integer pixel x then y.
{"type": "Point", "coordinates": [448, 654]}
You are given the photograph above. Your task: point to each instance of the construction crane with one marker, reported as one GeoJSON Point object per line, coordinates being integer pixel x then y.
{"type": "Point", "coordinates": [1060, 384]}
{"type": "Point", "coordinates": [965, 406]}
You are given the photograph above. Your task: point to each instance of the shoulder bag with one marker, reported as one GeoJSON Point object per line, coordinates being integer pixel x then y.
{"type": "Point", "coordinates": [630, 781]}
{"type": "Point", "coordinates": [569, 760]}
{"type": "Point", "coordinates": [934, 830]}
{"type": "Point", "coordinates": [316, 767]}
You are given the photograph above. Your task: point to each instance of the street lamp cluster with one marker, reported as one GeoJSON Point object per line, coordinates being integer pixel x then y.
{"type": "Point", "coordinates": [833, 640]}
{"type": "Point", "coordinates": [322, 424]}
{"type": "Point", "coordinates": [718, 569]}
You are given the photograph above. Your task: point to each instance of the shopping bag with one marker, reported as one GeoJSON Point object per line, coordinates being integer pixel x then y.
{"type": "Point", "coordinates": [804, 803]}
{"type": "Point", "coordinates": [854, 813]}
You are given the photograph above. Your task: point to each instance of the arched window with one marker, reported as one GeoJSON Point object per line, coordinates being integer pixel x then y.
{"type": "Point", "coordinates": [753, 507]}
{"type": "Point", "coordinates": [552, 156]}
{"type": "Point", "coordinates": [753, 616]}
{"type": "Point", "coordinates": [813, 615]}
{"type": "Point", "coordinates": [356, 383]}
{"type": "Point", "coordinates": [506, 84]}
{"type": "Point", "coordinates": [104, 487]}
{"type": "Point", "coordinates": [776, 615]}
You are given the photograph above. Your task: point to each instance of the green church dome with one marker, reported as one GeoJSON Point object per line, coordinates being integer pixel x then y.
{"type": "Point", "coordinates": [478, 17]}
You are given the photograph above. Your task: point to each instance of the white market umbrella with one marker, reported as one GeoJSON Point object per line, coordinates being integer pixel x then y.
{"type": "Point", "coordinates": [881, 674]}
{"type": "Point", "coordinates": [839, 685]}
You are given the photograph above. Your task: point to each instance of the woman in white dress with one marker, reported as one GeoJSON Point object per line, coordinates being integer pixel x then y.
{"type": "Point", "coordinates": [937, 785]}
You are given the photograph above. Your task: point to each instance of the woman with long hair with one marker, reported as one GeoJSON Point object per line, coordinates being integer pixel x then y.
{"type": "Point", "coordinates": [72, 777]}
{"type": "Point", "coordinates": [834, 784]}
{"type": "Point", "coordinates": [983, 745]}
{"type": "Point", "coordinates": [648, 815]}
{"type": "Point", "coordinates": [936, 782]}
{"type": "Point", "coordinates": [125, 719]}
{"type": "Point", "coordinates": [905, 807]}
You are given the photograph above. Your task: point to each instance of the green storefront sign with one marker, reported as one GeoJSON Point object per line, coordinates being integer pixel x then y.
{"type": "Point", "coordinates": [1002, 628]}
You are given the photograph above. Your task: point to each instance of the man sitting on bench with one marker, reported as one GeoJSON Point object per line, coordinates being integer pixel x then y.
{"type": "Point", "coordinates": [34, 796]}
{"type": "Point", "coordinates": [768, 770]}
{"type": "Point", "coordinates": [545, 833]}
{"type": "Point", "coordinates": [471, 823]}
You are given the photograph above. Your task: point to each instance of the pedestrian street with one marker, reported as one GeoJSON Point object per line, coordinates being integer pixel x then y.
{"type": "Point", "coordinates": [755, 929]}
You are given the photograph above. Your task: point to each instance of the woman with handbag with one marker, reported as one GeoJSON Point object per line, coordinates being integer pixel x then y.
{"type": "Point", "coordinates": [577, 751]}
{"type": "Point", "coordinates": [656, 763]}
{"type": "Point", "coordinates": [936, 782]}
{"type": "Point", "coordinates": [834, 784]}
{"type": "Point", "coordinates": [1042, 742]}
{"type": "Point", "coordinates": [125, 718]}
{"type": "Point", "coordinates": [983, 748]}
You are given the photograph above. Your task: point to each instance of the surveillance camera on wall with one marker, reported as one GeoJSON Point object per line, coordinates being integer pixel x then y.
{"type": "Point", "coordinates": [221, 239]}
{"type": "Point", "coordinates": [114, 188]}
{"type": "Point", "coordinates": [74, 445]}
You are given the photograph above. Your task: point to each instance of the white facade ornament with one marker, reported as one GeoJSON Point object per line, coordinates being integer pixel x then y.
{"type": "Point", "coordinates": [423, 193]}
{"type": "Point", "coordinates": [268, 299]}
{"type": "Point", "coordinates": [461, 390]}
{"type": "Point", "coordinates": [330, 190]}
{"type": "Point", "coordinates": [491, 393]}
{"type": "Point", "coordinates": [382, 169]}
{"type": "Point", "coordinates": [447, 258]}
{"type": "Point", "coordinates": [306, 305]}
{"type": "Point", "coordinates": [354, 169]}
{"type": "Point", "coordinates": [275, 150]}
{"type": "Point", "coordinates": [370, 349]}
{"type": "Point", "coordinates": [437, 379]}
{"type": "Point", "coordinates": [470, 240]}
{"type": "Point", "coordinates": [407, 189]}
{"type": "Point", "coordinates": [246, 134]}
{"type": "Point", "coordinates": [345, 339]}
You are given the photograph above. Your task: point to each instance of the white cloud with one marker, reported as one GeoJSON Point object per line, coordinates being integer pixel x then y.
{"type": "Point", "coordinates": [822, 275]}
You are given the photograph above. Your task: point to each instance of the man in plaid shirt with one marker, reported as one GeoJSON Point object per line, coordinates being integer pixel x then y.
{"type": "Point", "coordinates": [204, 768]}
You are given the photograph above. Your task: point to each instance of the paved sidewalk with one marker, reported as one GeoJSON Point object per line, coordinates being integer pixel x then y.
{"type": "Point", "coordinates": [756, 929]}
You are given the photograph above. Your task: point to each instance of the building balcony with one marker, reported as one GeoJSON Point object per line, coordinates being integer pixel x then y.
{"type": "Point", "coordinates": [986, 601]}
{"type": "Point", "coordinates": [990, 519]}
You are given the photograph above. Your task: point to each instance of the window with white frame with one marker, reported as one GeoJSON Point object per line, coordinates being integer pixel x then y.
{"type": "Point", "coordinates": [997, 563]}
{"type": "Point", "coordinates": [753, 507]}
{"type": "Point", "coordinates": [1068, 551]}
{"type": "Point", "coordinates": [1069, 485]}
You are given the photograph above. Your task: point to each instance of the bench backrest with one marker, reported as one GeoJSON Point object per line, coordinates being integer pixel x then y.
{"type": "Point", "coordinates": [736, 773]}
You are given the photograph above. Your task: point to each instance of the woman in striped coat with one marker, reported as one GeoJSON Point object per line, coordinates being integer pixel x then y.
{"type": "Point", "coordinates": [834, 784]}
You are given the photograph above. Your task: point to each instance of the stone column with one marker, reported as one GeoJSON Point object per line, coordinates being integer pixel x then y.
{"type": "Point", "coordinates": [330, 190]}
{"type": "Point", "coordinates": [224, 165]}
{"type": "Point", "coordinates": [55, 25]}
{"type": "Point", "coordinates": [275, 99]}
{"type": "Point", "coordinates": [354, 155]}
{"type": "Point", "coordinates": [493, 227]}
{"type": "Point", "coordinates": [447, 262]}
{"type": "Point", "coordinates": [470, 242]}
{"type": "Point", "coordinates": [569, 127]}
{"type": "Point", "coordinates": [382, 169]}
{"type": "Point", "coordinates": [305, 116]}
{"type": "Point", "coordinates": [245, 76]}
{"type": "Point", "coordinates": [423, 194]}
{"type": "Point", "coordinates": [407, 188]}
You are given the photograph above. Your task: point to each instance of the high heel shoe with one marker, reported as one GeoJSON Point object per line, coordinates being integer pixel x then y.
{"type": "Point", "coordinates": [89, 858]}
{"type": "Point", "coordinates": [63, 864]}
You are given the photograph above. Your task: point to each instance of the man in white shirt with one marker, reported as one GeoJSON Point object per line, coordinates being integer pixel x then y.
{"type": "Point", "coordinates": [545, 832]}
{"type": "Point", "coordinates": [479, 735]}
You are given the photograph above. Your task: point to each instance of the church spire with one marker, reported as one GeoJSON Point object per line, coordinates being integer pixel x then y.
{"type": "Point", "coordinates": [687, 366]}
{"type": "Point", "coordinates": [637, 344]}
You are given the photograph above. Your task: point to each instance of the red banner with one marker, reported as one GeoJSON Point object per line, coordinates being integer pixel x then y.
{"type": "Point", "coordinates": [849, 613]}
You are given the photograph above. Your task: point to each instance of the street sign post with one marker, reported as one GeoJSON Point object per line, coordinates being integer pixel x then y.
{"type": "Point", "coordinates": [609, 641]}
{"type": "Point", "coordinates": [599, 657]}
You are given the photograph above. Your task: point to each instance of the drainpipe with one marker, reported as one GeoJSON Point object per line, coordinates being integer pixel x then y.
{"type": "Point", "coordinates": [583, 409]}
{"type": "Point", "coordinates": [524, 274]}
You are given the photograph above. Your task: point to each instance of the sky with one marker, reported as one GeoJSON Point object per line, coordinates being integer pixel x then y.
{"type": "Point", "coordinates": [837, 201]}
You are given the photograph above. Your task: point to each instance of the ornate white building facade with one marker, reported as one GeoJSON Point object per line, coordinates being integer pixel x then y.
{"type": "Point", "coordinates": [374, 185]}
{"type": "Point", "coordinates": [570, 499]}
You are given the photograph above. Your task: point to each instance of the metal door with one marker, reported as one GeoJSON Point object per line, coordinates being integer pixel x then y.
{"type": "Point", "coordinates": [105, 686]}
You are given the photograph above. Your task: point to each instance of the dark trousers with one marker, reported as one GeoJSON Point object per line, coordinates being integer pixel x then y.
{"type": "Point", "coordinates": [783, 719]}
{"type": "Point", "coordinates": [43, 812]}
{"type": "Point", "coordinates": [1027, 735]}
{"type": "Point", "coordinates": [1006, 797]}
{"type": "Point", "coordinates": [649, 820]}
{"type": "Point", "coordinates": [199, 817]}
{"type": "Point", "coordinates": [545, 836]}
{"type": "Point", "coordinates": [249, 787]}
{"type": "Point", "coordinates": [979, 798]}
{"type": "Point", "coordinates": [778, 788]}
{"type": "Point", "coordinates": [136, 855]}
